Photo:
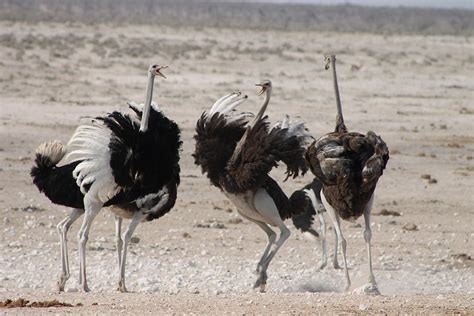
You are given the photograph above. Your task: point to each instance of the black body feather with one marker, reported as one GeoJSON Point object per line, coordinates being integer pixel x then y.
{"type": "Point", "coordinates": [57, 183]}
{"type": "Point", "coordinates": [141, 163]}
{"type": "Point", "coordinates": [216, 140]}
{"type": "Point", "coordinates": [144, 162]}
{"type": "Point", "coordinates": [305, 219]}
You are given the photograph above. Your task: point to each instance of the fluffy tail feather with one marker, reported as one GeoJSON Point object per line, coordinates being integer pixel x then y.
{"type": "Point", "coordinates": [47, 157]}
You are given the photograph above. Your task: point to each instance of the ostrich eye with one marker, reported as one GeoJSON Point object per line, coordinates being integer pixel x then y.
{"type": "Point", "coordinates": [154, 66]}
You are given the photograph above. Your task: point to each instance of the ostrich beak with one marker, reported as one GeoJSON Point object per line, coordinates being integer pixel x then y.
{"type": "Point", "coordinates": [158, 71]}
{"type": "Point", "coordinates": [262, 90]}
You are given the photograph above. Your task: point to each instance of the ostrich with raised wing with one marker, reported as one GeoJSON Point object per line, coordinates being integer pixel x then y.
{"type": "Point", "coordinates": [238, 155]}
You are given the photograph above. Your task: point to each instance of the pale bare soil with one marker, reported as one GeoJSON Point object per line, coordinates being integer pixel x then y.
{"type": "Point", "coordinates": [417, 92]}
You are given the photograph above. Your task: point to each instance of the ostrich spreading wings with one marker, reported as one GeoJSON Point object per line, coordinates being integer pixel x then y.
{"type": "Point", "coordinates": [237, 156]}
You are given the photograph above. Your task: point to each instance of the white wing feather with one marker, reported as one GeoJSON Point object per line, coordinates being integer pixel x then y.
{"type": "Point", "coordinates": [90, 145]}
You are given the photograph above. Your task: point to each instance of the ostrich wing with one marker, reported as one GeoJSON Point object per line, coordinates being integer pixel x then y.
{"type": "Point", "coordinates": [375, 165]}
{"type": "Point", "coordinates": [349, 165]}
{"type": "Point", "coordinates": [216, 137]}
{"type": "Point", "coordinates": [143, 162]}
{"type": "Point", "coordinates": [258, 152]}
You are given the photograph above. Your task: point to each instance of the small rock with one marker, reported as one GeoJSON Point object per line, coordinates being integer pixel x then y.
{"type": "Point", "coordinates": [426, 176]}
{"type": "Point", "coordinates": [186, 235]}
{"type": "Point", "coordinates": [363, 307]}
{"type": "Point", "coordinates": [135, 240]}
{"type": "Point", "coordinates": [385, 212]}
{"type": "Point", "coordinates": [410, 227]}
{"type": "Point", "coordinates": [236, 220]}
{"type": "Point", "coordinates": [462, 257]}
{"type": "Point", "coordinates": [217, 225]}
{"type": "Point", "coordinates": [432, 181]}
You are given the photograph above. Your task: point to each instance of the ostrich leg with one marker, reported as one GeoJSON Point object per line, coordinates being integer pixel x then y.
{"type": "Point", "coordinates": [319, 208]}
{"type": "Point", "coordinates": [324, 255]}
{"type": "Point", "coordinates": [63, 228]}
{"type": "Point", "coordinates": [137, 218]}
{"type": "Point", "coordinates": [368, 237]}
{"type": "Point", "coordinates": [92, 209]}
{"type": "Point", "coordinates": [371, 287]}
{"type": "Point", "coordinates": [118, 238]}
{"type": "Point", "coordinates": [266, 207]}
{"type": "Point", "coordinates": [337, 226]}
{"type": "Point", "coordinates": [271, 240]}
{"type": "Point", "coordinates": [335, 262]}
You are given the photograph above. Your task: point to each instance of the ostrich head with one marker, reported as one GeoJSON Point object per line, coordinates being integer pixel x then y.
{"type": "Point", "coordinates": [155, 70]}
{"type": "Point", "coordinates": [266, 85]}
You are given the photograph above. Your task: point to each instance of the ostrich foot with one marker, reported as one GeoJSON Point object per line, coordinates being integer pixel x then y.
{"type": "Point", "coordinates": [322, 265]}
{"type": "Point", "coordinates": [336, 265]}
{"type": "Point", "coordinates": [85, 288]}
{"type": "Point", "coordinates": [62, 282]}
{"type": "Point", "coordinates": [121, 287]}
{"type": "Point", "coordinates": [261, 282]}
{"type": "Point", "coordinates": [367, 289]}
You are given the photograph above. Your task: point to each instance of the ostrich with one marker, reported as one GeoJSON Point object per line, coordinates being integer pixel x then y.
{"type": "Point", "coordinates": [238, 155]}
{"type": "Point", "coordinates": [128, 164]}
{"type": "Point", "coordinates": [349, 165]}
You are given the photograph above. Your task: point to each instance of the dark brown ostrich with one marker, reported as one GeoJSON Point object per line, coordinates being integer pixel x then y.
{"type": "Point", "coordinates": [349, 165]}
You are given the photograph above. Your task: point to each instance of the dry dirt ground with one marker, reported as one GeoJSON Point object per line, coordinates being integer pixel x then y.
{"type": "Point", "coordinates": [417, 92]}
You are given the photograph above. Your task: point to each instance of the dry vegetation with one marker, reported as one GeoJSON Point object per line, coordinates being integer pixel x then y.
{"type": "Point", "coordinates": [341, 18]}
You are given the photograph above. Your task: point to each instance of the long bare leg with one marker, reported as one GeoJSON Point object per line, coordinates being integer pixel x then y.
{"type": "Point", "coordinates": [118, 238]}
{"type": "Point", "coordinates": [337, 226]}
{"type": "Point", "coordinates": [62, 229]}
{"type": "Point", "coordinates": [335, 262]}
{"type": "Point", "coordinates": [368, 237]}
{"type": "Point", "coordinates": [91, 210]}
{"type": "Point", "coordinates": [271, 240]}
{"type": "Point", "coordinates": [266, 207]}
{"type": "Point", "coordinates": [324, 251]}
{"type": "Point", "coordinates": [370, 288]}
{"type": "Point", "coordinates": [137, 218]}
{"type": "Point", "coordinates": [319, 208]}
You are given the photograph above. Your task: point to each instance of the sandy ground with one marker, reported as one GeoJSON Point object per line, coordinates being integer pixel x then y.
{"type": "Point", "coordinates": [417, 92]}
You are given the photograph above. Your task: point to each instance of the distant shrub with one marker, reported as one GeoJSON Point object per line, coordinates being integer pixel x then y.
{"type": "Point", "coordinates": [343, 18]}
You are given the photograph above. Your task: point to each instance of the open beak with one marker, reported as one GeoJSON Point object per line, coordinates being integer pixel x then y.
{"type": "Point", "coordinates": [158, 71]}
{"type": "Point", "coordinates": [262, 90]}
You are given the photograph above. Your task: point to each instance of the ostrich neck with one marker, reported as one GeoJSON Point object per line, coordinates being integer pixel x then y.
{"type": "Point", "coordinates": [259, 115]}
{"type": "Point", "coordinates": [339, 117]}
{"type": "Point", "coordinates": [147, 106]}
{"type": "Point", "coordinates": [262, 110]}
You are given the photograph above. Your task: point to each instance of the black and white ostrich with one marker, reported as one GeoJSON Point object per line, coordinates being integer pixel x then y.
{"type": "Point", "coordinates": [128, 164]}
{"type": "Point", "coordinates": [349, 165]}
{"type": "Point", "coordinates": [238, 155]}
